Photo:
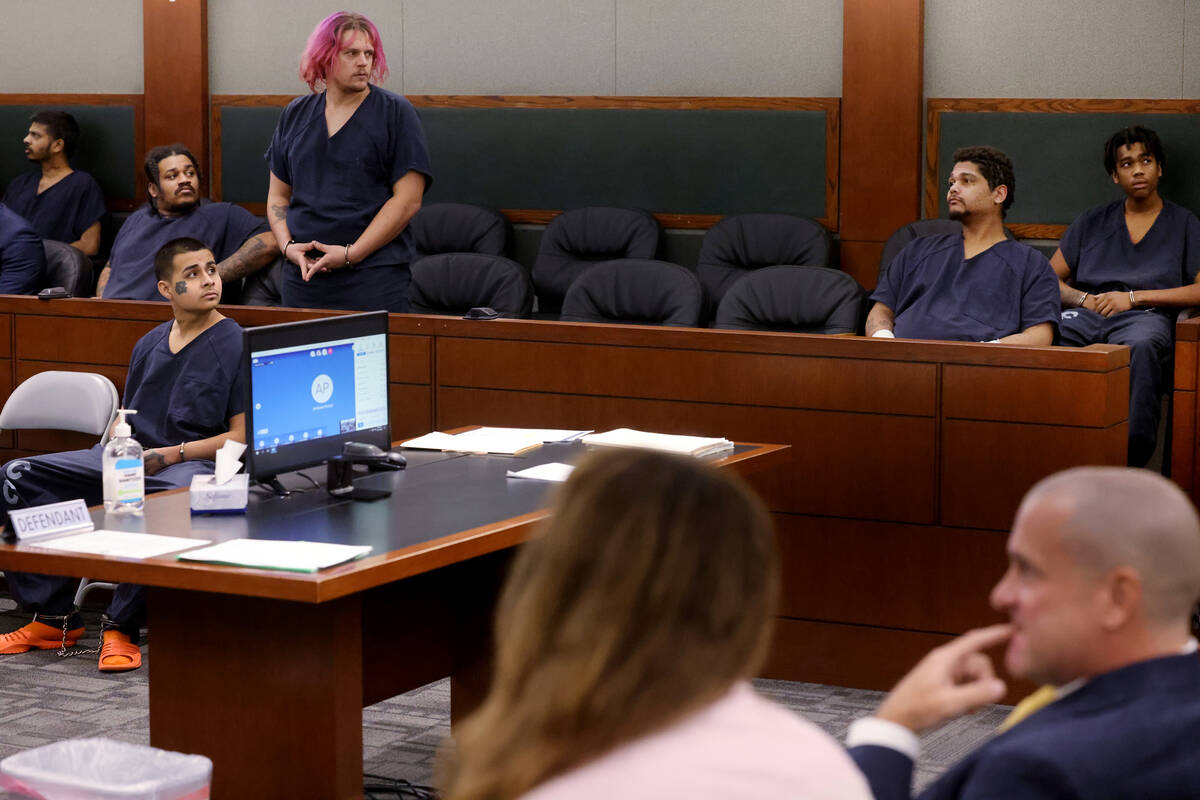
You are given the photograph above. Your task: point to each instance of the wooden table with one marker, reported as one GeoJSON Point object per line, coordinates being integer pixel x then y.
{"type": "Point", "coordinates": [267, 672]}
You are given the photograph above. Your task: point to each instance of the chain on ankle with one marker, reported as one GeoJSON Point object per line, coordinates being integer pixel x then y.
{"type": "Point", "coordinates": [62, 651]}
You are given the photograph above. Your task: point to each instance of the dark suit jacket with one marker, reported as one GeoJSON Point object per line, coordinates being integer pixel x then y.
{"type": "Point", "coordinates": [1131, 733]}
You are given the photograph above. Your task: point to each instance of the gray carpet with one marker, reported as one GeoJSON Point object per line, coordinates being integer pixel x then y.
{"type": "Point", "coordinates": [44, 698]}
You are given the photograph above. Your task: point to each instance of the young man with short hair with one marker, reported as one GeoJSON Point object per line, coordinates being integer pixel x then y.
{"type": "Point", "coordinates": [185, 383]}
{"type": "Point", "coordinates": [240, 241]}
{"type": "Point", "coordinates": [61, 203]}
{"type": "Point", "coordinates": [977, 286]}
{"type": "Point", "coordinates": [1124, 268]}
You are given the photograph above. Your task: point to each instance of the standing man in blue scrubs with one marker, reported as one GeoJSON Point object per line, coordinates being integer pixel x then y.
{"type": "Point", "coordinates": [977, 286]}
{"type": "Point", "coordinates": [1124, 268]}
{"type": "Point", "coordinates": [239, 240]}
{"type": "Point", "coordinates": [22, 259]}
{"type": "Point", "coordinates": [185, 382]}
{"type": "Point", "coordinates": [61, 203]}
{"type": "Point", "coordinates": [349, 167]}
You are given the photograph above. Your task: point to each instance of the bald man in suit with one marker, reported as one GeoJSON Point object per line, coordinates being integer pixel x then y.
{"type": "Point", "coordinates": [1104, 572]}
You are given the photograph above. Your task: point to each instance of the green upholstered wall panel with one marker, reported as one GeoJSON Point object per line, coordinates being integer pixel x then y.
{"type": "Point", "coordinates": [1058, 158]}
{"type": "Point", "coordinates": [667, 161]}
{"type": "Point", "coordinates": [245, 134]}
{"type": "Point", "coordinates": [106, 147]}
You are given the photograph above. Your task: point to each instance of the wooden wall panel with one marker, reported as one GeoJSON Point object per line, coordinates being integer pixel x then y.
{"type": "Point", "coordinates": [918, 577]}
{"type": "Point", "coordinates": [1051, 397]}
{"type": "Point", "coordinates": [1183, 442]}
{"type": "Point", "coordinates": [78, 340]}
{"type": "Point", "coordinates": [766, 380]}
{"type": "Point", "coordinates": [1186, 355]}
{"type": "Point", "coordinates": [6, 335]}
{"type": "Point", "coordinates": [410, 359]}
{"type": "Point", "coordinates": [882, 87]}
{"type": "Point", "coordinates": [175, 62]}
{"type": "Point", "coordinates": [988, 466]}
{"type": "Point", "coordinates": [845, 655]}
{"type": "Point", "coordinates": [837, 457]}
{"type": "Point", "coordinates": [410, 409]}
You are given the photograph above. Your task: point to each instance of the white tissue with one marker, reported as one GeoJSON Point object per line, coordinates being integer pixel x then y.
{"type": "Point", "coordinates": [228, 462]}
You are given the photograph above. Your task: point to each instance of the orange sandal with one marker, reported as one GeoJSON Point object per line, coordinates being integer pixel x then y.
{"type": "Point", "coordinates": [37, 635]}
{"type": "Point", "coordinates": [118, 653]}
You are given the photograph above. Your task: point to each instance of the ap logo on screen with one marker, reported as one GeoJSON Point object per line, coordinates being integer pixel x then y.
{"type": "Point", "coordinates": [322, 388]}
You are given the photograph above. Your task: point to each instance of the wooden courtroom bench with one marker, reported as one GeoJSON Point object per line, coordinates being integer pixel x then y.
{"type": "Point", "coordinates": [908, 458]}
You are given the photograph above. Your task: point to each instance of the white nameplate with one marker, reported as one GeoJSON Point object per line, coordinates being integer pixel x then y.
{"type": "Point", "coordinates": [50, 520]}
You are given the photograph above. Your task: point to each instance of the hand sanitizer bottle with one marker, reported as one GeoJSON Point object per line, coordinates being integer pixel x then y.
{"type": "Point", "coordinates": [123, 470]}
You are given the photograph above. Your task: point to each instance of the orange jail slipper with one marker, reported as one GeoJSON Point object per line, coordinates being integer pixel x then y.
{"type": "Point", "coordinates": [118, 654]}
{"type": "Point", "coordinates": [36, 635]}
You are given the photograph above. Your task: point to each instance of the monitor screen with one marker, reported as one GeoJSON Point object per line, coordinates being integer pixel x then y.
{"type": "Point", "coordinates": [314, 385]}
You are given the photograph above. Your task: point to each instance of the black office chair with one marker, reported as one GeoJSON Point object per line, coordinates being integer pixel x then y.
{"type": "Point", "coordinates": [636, 291]}
{"type": "Point", "coordinates": [753, 241]}
{"type": "Point", "coordinates": [452, 283]}
{"type": "Point", "coordinates": [459, 228]}
{"type": "Point", "coordinates": [261, 288]}
{"type": "Point", "coordinates": [581, 237]}
{"type": "Point", "coordinates": [68, 268]}
{"type": "Point", "coordinates": [793, 298]}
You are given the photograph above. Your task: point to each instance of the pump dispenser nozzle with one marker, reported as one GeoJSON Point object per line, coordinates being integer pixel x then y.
{"type": "Point", "coordinates": [122, 428]}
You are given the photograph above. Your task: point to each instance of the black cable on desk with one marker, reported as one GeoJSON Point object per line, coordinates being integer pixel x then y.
{"type": "Point", "coordinates": [398, 788]}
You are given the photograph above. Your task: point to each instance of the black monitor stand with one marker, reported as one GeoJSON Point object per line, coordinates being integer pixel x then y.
{"type": "Point", "coordinates": [339, 480]}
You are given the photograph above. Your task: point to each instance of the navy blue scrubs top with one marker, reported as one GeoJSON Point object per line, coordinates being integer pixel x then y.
{"type": "Point", "coordinates": [339, 183]}
{"type": "Point", "coordinates": [1102, 257]}
{"type": "Point", "coordinates": [62, 212]}
{"type": "Point", "coordinates": [22, 259]}
{"type": "Point", "coordinates": [224, 227]}
{"type": "Point", "coordinates": [189, 395]}
{"type": "Point", "coordinates": [937, 294]}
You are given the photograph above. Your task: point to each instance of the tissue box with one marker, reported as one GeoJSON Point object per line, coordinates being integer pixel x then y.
{"type": "Point", "coordinates": [208, 496]}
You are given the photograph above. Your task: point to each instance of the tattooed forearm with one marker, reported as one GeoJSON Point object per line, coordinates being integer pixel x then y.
{"type": "Point", "coordinates": [279, 211]}
{"type": "Point", "coordinates": [255, 254]}
{"type": "Point", "coordinates": [153, 461]}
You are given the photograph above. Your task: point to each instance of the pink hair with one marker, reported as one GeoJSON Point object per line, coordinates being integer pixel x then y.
{"type": "Point", "coordinates": [326, 40]}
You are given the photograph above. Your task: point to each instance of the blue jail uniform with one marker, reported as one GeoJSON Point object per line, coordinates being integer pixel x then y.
{"type": "Point", "coordinates": [1103, 258]}
{"type": "Point", "coordinates": [224, 227]}
{"type": "Point", "coordinates": [22, 259]}
{"type": "Point", "coordinates": [339, 184]}
{"type": "Point", "coordinates": [179, 397]}
{"type": "Point", "coordinates": [62, 212]}
{"type": "Point", "coordinates": [935, 293]}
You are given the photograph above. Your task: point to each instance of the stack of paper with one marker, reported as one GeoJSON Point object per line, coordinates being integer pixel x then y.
{"type": "Point", "coordinates": [125, 544]}
{"type": "Point", "coordinates": [504, 441]}
{"type": "Point", "coordinates": [665, 442]}
{"type": "Point", "coordinates": [554, 472]}
{"type": "Point", "coordinates": [270, 554]}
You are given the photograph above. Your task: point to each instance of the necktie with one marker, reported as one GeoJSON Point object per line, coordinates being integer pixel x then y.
{"type": "Point", "coordinates": [1034, 702]}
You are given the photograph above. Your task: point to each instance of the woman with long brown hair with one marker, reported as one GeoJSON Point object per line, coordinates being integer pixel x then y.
{"type": "Point", "coordinates": [626, 635]}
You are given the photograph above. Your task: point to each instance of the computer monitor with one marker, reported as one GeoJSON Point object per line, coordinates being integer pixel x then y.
{"type": "Point", "coordinates": [313, 386]}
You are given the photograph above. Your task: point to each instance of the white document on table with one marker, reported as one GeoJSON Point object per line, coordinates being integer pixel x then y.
{"type": "Point", "coordinates": [271, 554]}
{"type": "Point", "coordinates": [665, 442]}
{"type": "Point", "coordinates": [555, 472]}
{"type": "Point", "coordinates": [431, 441]}
{"type": "Point", "coordinates": [123, 544]}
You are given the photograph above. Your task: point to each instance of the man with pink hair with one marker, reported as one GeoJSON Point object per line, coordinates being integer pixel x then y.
{"type": "Point", "coordinates": [349, 167]}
